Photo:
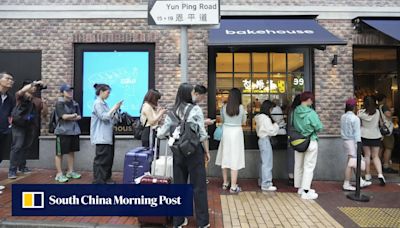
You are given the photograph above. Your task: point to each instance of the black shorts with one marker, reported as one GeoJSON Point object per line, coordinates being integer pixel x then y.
{"type": "Point", "coordinates": [66, 144]}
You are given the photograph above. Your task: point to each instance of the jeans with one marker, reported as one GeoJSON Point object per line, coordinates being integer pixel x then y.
{"type": "Point", "coordinates": [193, 166]}
{"type": "Point", "coordinates": [304, 166]}
{"type": "Point", "coordinates": [22, 141]}
{"type": "Point", "coordinates": [266, 155]}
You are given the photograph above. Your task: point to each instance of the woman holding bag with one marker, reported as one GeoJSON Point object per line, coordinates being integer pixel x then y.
{"type": "Point", "coordinates": [371, 137]}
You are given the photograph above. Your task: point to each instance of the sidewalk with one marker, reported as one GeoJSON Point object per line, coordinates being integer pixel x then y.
{"type": "Point", "coordinates": [251, 208]}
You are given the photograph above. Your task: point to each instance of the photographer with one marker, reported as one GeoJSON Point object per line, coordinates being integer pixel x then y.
{"type": "Point", "coordinates": [25, 125]}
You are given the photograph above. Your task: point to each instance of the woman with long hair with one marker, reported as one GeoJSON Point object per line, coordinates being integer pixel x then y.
{"type": "Point", "coordinates": [371, 137]}
{"type": "Point", "coordinates": [193, 164]}
{"type": "Point", "coordinates": [290, 151]}
{"type": "Point", "coordinates": [231, 148]}
{"type": "Point", "coordinates": [150, 114]}
{"type": "Point", "coordinates": [101, 134]}
{"type": "Point", "coordinates": [266, 127]}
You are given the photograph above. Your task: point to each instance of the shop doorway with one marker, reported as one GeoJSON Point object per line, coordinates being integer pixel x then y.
{"type": "Point", "coordinates": [376, 72]}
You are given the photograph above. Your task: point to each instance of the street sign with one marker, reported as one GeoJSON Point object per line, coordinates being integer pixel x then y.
{"type": "Point", "coordinates": [176, 12]}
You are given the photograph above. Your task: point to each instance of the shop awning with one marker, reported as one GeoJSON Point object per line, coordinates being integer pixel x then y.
{"type": "Point", "coordinates": [271, 32]}
{"type": "Point", "coordinates": [390, 27]}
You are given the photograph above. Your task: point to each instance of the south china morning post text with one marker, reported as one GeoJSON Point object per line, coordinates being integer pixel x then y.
{"type": "Point", "coordinates": [116, 200]}
{"type": "Point", "coordinates": [102, 200]}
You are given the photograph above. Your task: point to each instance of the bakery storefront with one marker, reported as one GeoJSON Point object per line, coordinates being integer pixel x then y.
{"type": "Point", "coordinates": [267, 59]}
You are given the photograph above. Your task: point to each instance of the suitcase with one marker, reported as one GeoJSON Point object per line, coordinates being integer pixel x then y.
{"type": "Point", "coordinates": [137, 163]}
{"type": "Point", "coordinates": [152, 179]}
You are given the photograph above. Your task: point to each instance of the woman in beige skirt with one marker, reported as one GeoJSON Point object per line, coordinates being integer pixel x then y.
{"type": "Point", "coordinates": [231, 148]}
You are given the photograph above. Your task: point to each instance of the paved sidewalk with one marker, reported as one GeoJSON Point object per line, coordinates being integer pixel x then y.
{"type": "Point", "coordinates": [251, 208]}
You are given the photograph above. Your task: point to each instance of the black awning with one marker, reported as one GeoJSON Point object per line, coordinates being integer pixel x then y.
{"type": "Point", "coordinates": [390, 26]}
{"type": "Point", "coordinates": [271, 32]}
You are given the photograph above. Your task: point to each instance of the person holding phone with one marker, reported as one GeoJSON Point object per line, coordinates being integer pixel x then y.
{"type": "Point", "coordinates": [101, 134]}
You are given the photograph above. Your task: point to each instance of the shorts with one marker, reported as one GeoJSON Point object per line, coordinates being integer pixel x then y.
{"type": "Point", "coordinates": [371, 142]}
{"type": "Point", "coordinates": [388, 142]}
{"type": "Point", "coordinates": [66, 144]}
{"type": "Point", "coordinates": [350, 147]}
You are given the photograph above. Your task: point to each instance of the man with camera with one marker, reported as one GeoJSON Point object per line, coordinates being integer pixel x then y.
{"type": "Point", "coordinates": [25, 125]}
{"type": "Point", "coordinates": [7, 103]}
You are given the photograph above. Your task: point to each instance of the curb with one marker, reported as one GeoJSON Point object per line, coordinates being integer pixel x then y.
{"type": "Point", "coordinates": [55, 224]}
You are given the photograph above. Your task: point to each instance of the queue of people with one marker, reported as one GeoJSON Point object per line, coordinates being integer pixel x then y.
{"type": "Point", "coordinates": [359, 128]}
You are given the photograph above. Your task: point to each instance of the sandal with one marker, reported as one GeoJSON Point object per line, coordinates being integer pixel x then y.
{"type": "Point", "coordinates": [225, 186]}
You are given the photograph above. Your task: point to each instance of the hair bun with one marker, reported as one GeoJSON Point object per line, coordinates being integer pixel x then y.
{"type": "Point", "coordinates": [95, 85]}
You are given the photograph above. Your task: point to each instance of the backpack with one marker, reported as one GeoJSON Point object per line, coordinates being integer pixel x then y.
{"type": "Point", "coordinates": [188, 140]}
{"type": "Point", "coordinates": [23, 114]}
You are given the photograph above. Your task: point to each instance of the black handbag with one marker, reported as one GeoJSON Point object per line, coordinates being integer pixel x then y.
{"type": "Point", "coordinates": [297, 141]}
{"type": "Point", "coordinates": [138, 129]}
{"type": "Point", "coordinates": [385, 131]}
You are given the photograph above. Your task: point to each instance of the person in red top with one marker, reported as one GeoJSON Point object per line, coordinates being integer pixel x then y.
{"type": "Point", "coordinates": [25, 125]}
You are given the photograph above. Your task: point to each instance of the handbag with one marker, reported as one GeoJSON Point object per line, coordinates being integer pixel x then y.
{"type": "Point", "coordinates": [138, 129]}
{"type": "Point", "coordinates": [218, 133]}
{"type": "Point", "coordinates": [385, 131]}
{"type": "Point", "coordinates": [297, 141]}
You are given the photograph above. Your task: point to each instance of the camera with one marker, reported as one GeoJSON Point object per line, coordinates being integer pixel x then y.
{"type": "Point", "coordinates": [41, 86]}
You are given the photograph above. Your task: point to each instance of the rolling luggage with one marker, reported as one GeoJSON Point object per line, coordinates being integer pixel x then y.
{"type": "Point", "coordinates": [152, 179]}
{"type": "Point", "coordinates": [137, 163]}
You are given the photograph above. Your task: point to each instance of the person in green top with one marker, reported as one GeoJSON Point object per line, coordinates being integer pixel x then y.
{"type": "Point", "coordinates": [307, 122]}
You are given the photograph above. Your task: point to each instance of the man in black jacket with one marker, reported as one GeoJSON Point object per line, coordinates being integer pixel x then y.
{"type": "Point", "coordinates": [7, 103]}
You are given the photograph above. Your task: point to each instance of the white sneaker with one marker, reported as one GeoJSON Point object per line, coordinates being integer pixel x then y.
{"type": "Point", "coordinates": [269, 189]}
{"type": "Point", "coordinates": [368, 177]}
{"type": "Point", "coordinates": [364, 183]}
{"type": "Point", "coordinates": [348, 187]}
{"type": "Point", "coordinates": [300, 191]}
{"type": "Point", "coordinates": [185, 222]}
{"type": "Point", "coordinates": [2, 187]}
{"type": "Point", "coordinates": [309, 195]}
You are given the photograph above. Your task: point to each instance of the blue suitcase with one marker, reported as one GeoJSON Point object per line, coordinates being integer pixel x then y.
{"type": "Point", "coordinates": [137, 162]}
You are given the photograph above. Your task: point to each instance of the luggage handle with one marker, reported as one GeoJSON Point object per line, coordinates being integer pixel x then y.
{"type": "Point", "coordinates": [153, 169]}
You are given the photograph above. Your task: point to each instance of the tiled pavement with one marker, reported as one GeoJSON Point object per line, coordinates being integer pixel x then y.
{"type": "Point", "coordinates": [251, 208]}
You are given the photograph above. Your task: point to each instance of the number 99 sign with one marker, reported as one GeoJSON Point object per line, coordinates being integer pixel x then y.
{"type": "Point", "coordinates": [298, 81]}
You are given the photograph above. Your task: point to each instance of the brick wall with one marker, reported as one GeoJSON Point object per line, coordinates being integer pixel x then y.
{"type": "Point", "coordinates": [55, 38]}
{"type": "Point", "coordinates": [380, 3]}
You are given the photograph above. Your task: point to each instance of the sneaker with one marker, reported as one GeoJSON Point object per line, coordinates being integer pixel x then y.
{"type": "Point", "coordinates": [368, 177]}
{"type": "Point", "coordinates": [185, 222]}
{"type": "Point", "coordinates": [389, 170]}
{"type": "Point", "coordinates": [364, 183]}
{"type": "Point", "coordinates": [310, 195]}
{"type": "Point", "coordinates": [300, 191]}
{"type": "Point", "coordinates": [269, 189]}
{"type": "Point", "coordinates": [348, 187]}
{"type": "Point", "coordinates": [73, 175]}
{"type": "Point", "coordinates": [235, 190]}
{"type": "Point", "coordinates": [225, 186]}
{"type": "Point", "coordinates": [61, 178]}
{"type": "Point", "coordinates": [25, 170]}
{"type": "Point", "coordinates": [206, 226]}
{"type": "Point", "coordinates": [12, 175]}
{"type": "Point", "coordinates": [2, 187]}
{"type": "Point", "coordinates": [382, 180]}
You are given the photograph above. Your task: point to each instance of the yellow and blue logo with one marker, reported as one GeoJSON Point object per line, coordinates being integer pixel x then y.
{"type": "Point", "coordinates": [32, 199]}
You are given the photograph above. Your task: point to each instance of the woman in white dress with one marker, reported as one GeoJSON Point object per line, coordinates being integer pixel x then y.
{"type": "Point", "coordinates": [231, 148]}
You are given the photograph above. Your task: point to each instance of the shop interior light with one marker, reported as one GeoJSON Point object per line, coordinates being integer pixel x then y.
{"type": "Point", "coordinates": [334, 60]}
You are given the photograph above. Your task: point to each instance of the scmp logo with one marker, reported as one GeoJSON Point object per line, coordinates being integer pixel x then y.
{"type": "Point", "coordinates": [32, 199]}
